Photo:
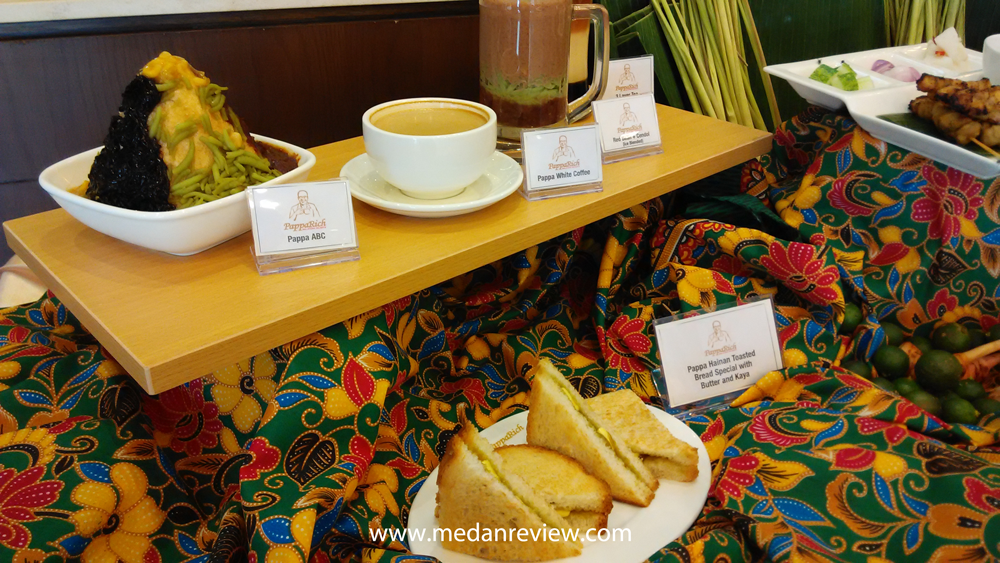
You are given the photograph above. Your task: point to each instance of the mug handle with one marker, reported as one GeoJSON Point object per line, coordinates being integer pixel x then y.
{"type": "Point", "coordinates": [580, 107]}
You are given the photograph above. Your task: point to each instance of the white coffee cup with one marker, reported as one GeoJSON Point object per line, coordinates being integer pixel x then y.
{"type": "Point", "coordinates": [430, 166]}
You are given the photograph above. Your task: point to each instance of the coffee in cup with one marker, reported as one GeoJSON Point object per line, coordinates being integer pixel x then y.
{"type": "Point", "coordinates": [428, 118]}
{"type": "Point", "coordinates": [430, 148]}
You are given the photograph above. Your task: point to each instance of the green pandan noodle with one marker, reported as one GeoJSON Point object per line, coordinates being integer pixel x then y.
{"type": "Point", "coordinates": [536, 91]}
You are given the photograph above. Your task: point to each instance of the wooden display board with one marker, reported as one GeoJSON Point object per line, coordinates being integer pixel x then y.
{"type": "Point", "coordinates": [169, 320]}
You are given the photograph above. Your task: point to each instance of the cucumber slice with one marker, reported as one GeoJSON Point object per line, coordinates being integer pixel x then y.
{"type": "Point", "coordinates": [865, 83]}
{"type": "Point", "coordinates": [844, 67]}
{"type": "Point", "coordinates": [845, 80]}
{"type": "Point", "coordinates": [823, 74]}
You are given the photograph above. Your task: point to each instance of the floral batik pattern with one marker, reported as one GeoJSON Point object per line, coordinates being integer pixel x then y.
{"type": "Point", "coordinates": [295, 454]}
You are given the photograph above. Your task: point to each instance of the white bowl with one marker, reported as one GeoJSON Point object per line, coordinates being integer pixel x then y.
{"type": "Point", "coordinates": [431, 166]}
{"type": "Point", "coordinates": [182, 232]}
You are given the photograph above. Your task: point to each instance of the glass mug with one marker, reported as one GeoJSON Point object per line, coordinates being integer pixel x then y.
{"type": "Point", "coordinates": [524, 62]}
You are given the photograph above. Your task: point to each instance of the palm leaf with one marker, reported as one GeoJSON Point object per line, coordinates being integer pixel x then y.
{"type": "Point", "coordinates": [621, 25]}
{"type": "Point", "coordinates": [618, 9]}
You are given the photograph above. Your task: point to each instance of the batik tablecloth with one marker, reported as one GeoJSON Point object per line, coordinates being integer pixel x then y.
{"type": "Point", "coordinates": [297, 453]}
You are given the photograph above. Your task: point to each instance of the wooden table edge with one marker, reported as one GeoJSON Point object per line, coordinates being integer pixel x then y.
{"type": "Point", "coordinates": [171, 372]}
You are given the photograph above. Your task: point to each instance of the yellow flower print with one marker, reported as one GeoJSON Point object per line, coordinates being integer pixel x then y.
{"type": "Point", "coordinates": [895, 252]}
{"type": "Point", "coordinates": [283, 554]}
{"type": "Point", "coordinates": [889, 466]}
{"type": "Point", "coordinates": [958, 314]}
{"type": "Point", "coordinates": [236, 386]}
{"type": "Point", "coordinates": [734, 241]}
{"type": "Point", "coordinates": [694, 285]}
{"type": "Point", "coordinates": [7, 371]}
{"type": "Point", "coordinates": [805, 197]}
{"type": "Point", "coordinates": [380, 485]}
{"type": "Point", "coordinates": [121, 515]}
{"type": "Point", "coordinates": [40, 438]}
{"type": "Point", "coordinates": [477, 347]}
{"type": "Point", "coordinates": [788, 213]}
{"type": "Point", "coordinates": [794, 357]}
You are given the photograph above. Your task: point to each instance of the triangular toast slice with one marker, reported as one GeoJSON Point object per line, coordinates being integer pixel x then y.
{"type": "Point", "coordinates": [579, 497]}
{"type": "Point", "coordinates": [474, 492]}
{"type": "Point", "coordinates": [661, 452]}
{"type": "Point", "coordinates": [559, 419]}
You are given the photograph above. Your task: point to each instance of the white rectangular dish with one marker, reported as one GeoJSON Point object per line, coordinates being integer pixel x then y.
{"type": "Point", "coordinates": [818, 93]}
{"type": "Point", "coordinates": [868, 111]}
{"type": "Point", "coordinates": [181, 232]}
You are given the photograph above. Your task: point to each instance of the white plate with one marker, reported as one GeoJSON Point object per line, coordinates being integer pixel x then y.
{"type": "Point", "coordinates": [675, 508]}
{"type": "Point", "coordinates": [815, 92]}
{"type": "Point", "coordinates": [503, 176]}
{"type": "Point", "coordinates": [866, 112]}
{"type": "Point", "coordinates": [181, 232]}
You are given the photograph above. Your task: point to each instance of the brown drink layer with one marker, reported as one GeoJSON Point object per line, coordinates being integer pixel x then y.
{"type": "Point", "coordinates": [523, 60]}
{"type": "Point", "coordinates": [524, 115]}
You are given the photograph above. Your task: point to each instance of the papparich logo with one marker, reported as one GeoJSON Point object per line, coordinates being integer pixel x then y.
{"type": "Point", "coordinates": [719, 341]}
{"type": "Point", "coordinates": [304, 215]}
{"type": "Point", "coordinates": [564, 155]}
{"type": "Point", "coordinates": [310, 226]}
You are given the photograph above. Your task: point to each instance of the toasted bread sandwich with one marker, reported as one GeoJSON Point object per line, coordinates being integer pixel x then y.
{"type": "Point", "coordinates": [560, 420]}
{"type": "Point", "coordinates": [579, 497]}
{"type": "Point", "coordinates": [476, 492]}
{"type": "Point", "coordinates": [661, 452]}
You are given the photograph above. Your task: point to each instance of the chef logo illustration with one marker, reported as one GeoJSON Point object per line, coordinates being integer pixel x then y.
{"type": "Point", "coordinates": [719, 338]}
{"type": "Point", "coordinates": [628, 116]}
{"type": "Point", "coordinates": [303, 211]}
{"type": "Point", "coordinates": [563, 152]}
{"type": "Point", "coordinates": [626, 76]}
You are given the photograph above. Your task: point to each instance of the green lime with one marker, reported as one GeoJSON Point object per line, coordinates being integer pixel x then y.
{"type": "Point", "coordinates": [926, 401]}
{"type": "Point", "coordinates": [951, 337]}
{"type": "Point", "coordinates": [884, 384]}
{"type": "Point", "coordinates": [948, 395]}
{"type": "Point", "coordinates": [864, 369]}
{"type": "Point", "coordinates": [852, 318]}
{"type": "Point", "coordinates": [959, 410]}
{"type": "Point", "coordinates": [938, 371]}
{"type": "Point", "coordinates": [906, 386]}
{"type": "Point", "coordinates": [923, 344]}
{"type": "Point", "coordinates": [891, 362]}
{"type": "Point", "coordinates": [893, 334]}
{"type": "Point", "coordinates": [994, 333]}
{"type": "Point", "coordinates": [976, 338]}
{"type": "Point", "coordinates": [970, 390]}
{"type": "Point", "coordinates": [987, 405]}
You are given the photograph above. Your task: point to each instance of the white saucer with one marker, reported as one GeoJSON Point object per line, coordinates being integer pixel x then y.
{"type": "Point", "coordinates": [503, 176]}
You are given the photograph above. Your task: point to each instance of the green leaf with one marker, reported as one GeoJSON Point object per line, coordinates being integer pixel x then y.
{"type": "Point", "coordinates": [911, 121]}
{"type": "Point", "coordinates": [619, 9]}
{"type": "Point", "coordinates": [651, 36]}
{"type": "Point", "coordinates": [621, 25]}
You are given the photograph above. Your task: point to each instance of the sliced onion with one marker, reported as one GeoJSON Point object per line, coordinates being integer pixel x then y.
{"type": "Point", "coordinates": [905, 74]}
{"type": "Point", "coordinates": [882, 66]}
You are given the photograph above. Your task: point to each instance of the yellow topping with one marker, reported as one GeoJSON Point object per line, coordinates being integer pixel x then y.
{"type": "Point", "coordinates": [168, 67]}
{"type": "Point", "coordinates": [489, 468]}
{"type": "Point", "coordinates": [563, 513]}
{"type": "Point", "coordinates": [604, 433]}
{"type": "Point", "coordinates": [569, 396]}
{"type": "Point", "coordinates": [607, 436]}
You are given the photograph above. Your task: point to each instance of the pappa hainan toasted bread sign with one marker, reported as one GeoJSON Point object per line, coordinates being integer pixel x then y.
{"type": "Point", "coordinates": [717, 352]}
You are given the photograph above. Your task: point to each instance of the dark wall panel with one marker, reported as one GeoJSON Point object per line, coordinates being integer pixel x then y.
{"type": "Point", "coordinates": [306, 83]}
